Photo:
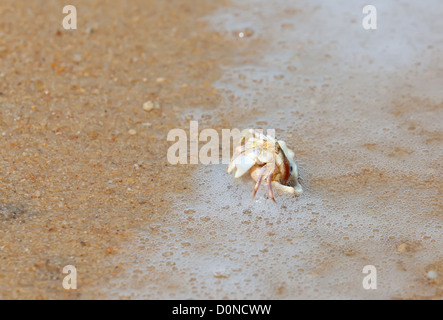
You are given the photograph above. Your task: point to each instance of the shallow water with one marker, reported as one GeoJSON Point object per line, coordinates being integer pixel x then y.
{"type": "Point", "coordinates": [362, 110]}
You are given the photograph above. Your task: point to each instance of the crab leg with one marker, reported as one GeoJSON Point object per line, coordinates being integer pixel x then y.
{"type": "Point", "coordinates": [271, 194]}
{"type": "Point", "coordinates": [260, 177]}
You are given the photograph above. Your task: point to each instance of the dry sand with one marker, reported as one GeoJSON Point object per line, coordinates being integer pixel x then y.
{"type": "Point", "coordinates": [68, 100]}
{"type": "Point", "coordinates": [84, 178]}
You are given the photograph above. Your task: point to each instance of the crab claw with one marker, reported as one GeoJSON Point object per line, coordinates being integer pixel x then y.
{"type": "Point", "coordinates": [242, 164]}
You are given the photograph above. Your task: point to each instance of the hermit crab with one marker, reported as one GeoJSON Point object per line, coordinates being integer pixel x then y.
{"type": "Point", "coordinates": [266, 159]}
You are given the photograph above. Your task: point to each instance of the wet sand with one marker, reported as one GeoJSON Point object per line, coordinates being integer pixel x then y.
{"type": "Point", "coordinates": [360, 110]}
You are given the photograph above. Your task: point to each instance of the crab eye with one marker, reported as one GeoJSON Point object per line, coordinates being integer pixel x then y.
{"type": "Point", "coordinates": [291, 167]}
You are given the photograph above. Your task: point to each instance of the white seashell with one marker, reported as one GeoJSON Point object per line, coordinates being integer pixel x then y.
{"type": "Point", "coordinates": [266, 156]}
{"type": "Point", "coordinates": [253, 154]}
